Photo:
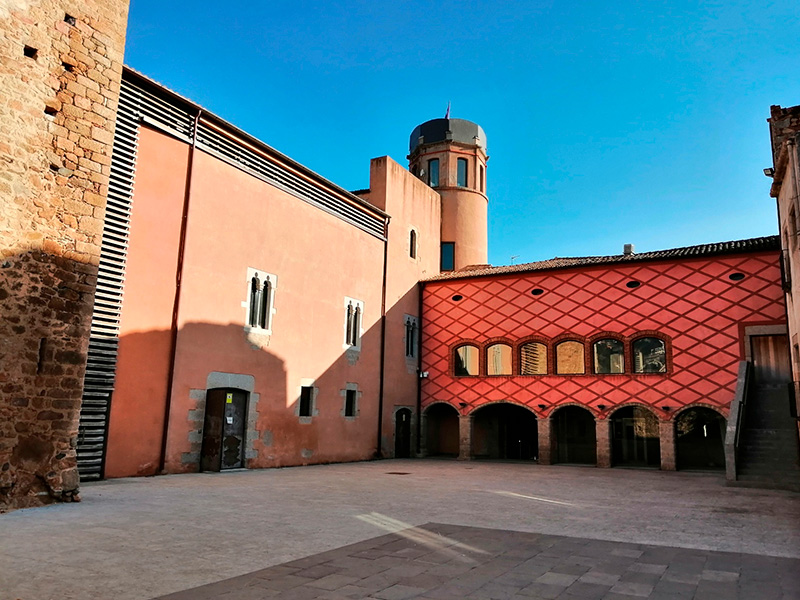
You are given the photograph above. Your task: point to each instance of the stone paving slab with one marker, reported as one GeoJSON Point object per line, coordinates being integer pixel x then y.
{"type": "Point", "coordinates": [437, 561]}
{"type": "Point", "coordinates": [140, 538]}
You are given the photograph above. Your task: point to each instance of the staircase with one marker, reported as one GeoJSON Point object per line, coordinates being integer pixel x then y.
{"type": "Point", "coordinates": [769, 451]}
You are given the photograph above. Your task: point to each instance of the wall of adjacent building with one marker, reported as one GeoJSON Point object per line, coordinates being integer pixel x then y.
{"type": "Point", "coordinates": [60, 69]}
{"type": "Point", "coordinates": [785, 138]}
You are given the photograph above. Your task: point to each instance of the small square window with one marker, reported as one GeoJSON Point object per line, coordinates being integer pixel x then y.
{"type": "Point", "coordinates": [306, 407]}
{"type": "Point", "coordinates": [350, 403]}
{"type": "Point", "coordinates": [448, 259]}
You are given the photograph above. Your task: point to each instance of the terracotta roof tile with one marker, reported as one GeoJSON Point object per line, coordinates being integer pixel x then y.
{"type": "Point", "coordinates": [760, 244]}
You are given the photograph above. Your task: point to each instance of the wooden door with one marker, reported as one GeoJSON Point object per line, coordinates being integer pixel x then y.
{"type": "Point", "coordinates": [770, 359]}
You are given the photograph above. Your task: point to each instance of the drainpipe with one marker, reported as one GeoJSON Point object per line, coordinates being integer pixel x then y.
{"type": "Point", "coordinates": [421, 287]}
{"type": "Point", "coordinates": [173, 346]}
{"type": "Point", "coordinates": [378, 453]}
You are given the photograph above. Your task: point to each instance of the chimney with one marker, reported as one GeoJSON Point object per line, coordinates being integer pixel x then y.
{"type": "Point", "coordinates": [628, 249]}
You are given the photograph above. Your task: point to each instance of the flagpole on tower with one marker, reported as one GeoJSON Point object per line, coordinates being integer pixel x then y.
{"type": "Point", "coordinates": [447, 114]}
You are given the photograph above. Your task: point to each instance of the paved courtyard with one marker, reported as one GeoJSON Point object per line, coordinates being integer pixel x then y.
{"type": "Point", "coordinates": [408, 529]}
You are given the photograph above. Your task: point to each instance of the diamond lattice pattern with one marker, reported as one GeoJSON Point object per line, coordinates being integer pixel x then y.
{"type": "Point", "coordinates": [693, 302]}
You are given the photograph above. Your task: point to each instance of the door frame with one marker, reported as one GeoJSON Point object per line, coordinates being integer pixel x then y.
{"type": "Point", "coordinates": [749, 331]}
{"type": "Point", "coordinates": [413, 432]}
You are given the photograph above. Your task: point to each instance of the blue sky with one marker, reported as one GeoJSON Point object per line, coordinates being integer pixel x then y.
{"type": "Point", "coordinates": [607, 123]}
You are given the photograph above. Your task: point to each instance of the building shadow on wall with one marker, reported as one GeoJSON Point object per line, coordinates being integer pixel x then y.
{"type": "Point", "coordinates": [343, 418]}
{"type": "Point", "coordinates": [45, 307]}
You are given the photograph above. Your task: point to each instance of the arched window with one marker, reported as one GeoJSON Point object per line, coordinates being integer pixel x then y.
{"type": "Point", "coordinates": [412, 336]}
{"type": "Point", "coordinates": [354, 337]}
{"type": "Point", "coordinates": [255, 292]}
{"type": "Point", "coordinates": [498, 359]}
{"type": "Point", "coordinates": [465, 361]}
{"type": "Point", "coordinates": [462, 172]}
{"type": "Point", "coordinates": [412, 244]}
{"type": "Point", "coordinates": [264, 307]}
{"type": "Point", "coordinates": [569, 358]}
{"type": "Point", "coordinates": [649, 355]}
{"type": "Point", "coordinates": [609, 356]}
{"type": "Point", "coordinates": [533, 359]}
{"type": "Point", "coordinates": [260, 300]}
{"type": "Point", "coordinates": [349, 324]}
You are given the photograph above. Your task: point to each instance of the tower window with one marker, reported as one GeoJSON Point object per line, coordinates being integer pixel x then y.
{"type": "Point", "coordinates": [412, 243]}
{"type": "Point", "coordinates": [448, 256]}
{"type": "Point", "coordinates": [483, 183]}
{"type": "Point", "coordinates": [433, 172]}
{"type": "Point", "coordinates": [462, 172]}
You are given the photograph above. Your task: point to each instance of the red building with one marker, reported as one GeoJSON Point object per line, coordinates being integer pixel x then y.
{"type": "Point", "coordinates": [609, 360]}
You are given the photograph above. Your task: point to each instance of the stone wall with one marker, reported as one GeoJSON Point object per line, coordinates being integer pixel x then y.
{"type": "Point", "coordinates": [60, 70]}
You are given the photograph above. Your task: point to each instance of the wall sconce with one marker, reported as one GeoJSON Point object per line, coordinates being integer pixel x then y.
{"type": "Point", "coordinates": [462, 404]}
{"type": "Point", "coordinates": [601, 406]}
{"type": "Point", "coordinates": [542, 406]}
{"type": "Point", "coordinates": [769, 172]}
{"type": "Point", "coordinates": [665, 408]}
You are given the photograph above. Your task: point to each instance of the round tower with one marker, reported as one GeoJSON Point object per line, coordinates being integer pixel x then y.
{"type": "Point", "coordinates": [450, 156]}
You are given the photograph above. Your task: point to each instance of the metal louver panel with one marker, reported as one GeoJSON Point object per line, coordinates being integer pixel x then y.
{"type": "Point", "coordinates": [98, 383]}
{"type": "Point", "coordinates": [163, 111]}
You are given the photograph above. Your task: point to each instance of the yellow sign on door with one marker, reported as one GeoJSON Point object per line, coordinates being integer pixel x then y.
{"type": "Point", "coordinates": [228, 398]}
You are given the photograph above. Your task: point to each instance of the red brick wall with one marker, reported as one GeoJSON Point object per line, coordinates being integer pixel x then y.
{"type": "Point", "coordinates": [692, 303]}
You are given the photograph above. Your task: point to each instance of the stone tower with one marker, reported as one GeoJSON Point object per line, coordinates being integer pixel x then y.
{"type": "Point", "coordinates": [60, 70]}
{"type": "Point", "coordinates": [450, 155]}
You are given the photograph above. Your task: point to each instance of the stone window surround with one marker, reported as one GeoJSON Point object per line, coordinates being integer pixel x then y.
{"type": "Point", "coordinates": [355, 304]}
{"type": "Point", "coordinates": [307, 382]}
{"type": "Point", "coordinates": [414, 321]}
{"type": "Point", "coordinates": [246, 303]}
{"type": "Point", "coordinates": [349, 386]}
